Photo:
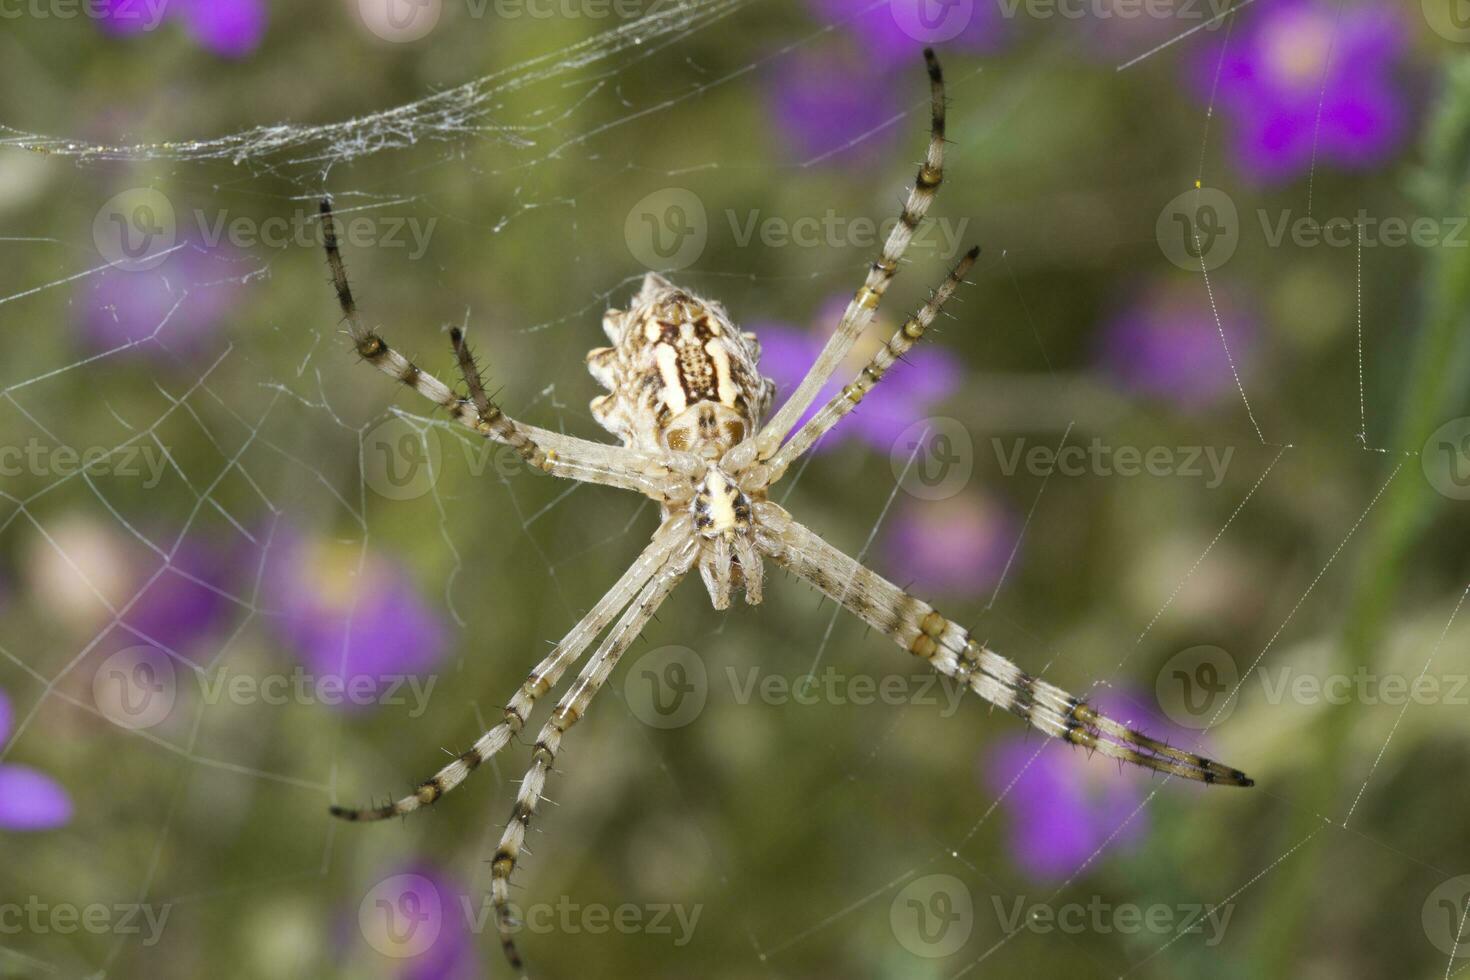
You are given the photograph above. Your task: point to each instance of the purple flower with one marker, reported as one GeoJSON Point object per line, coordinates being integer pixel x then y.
{"type": "Point", "coordinates": [1064, 804]}
{"type": "Point", "coordinates": [1168, 345]}
{"type": "Point", "coordinates": [28, 799]}
{"type": "Point", "coordinates": [190, 598]}
{"type": "Point", "coordinates": [229, 28]}
{"type": "Point", "coordinates": [415, 918]}
{"type": "Point", "coordinates": [959, 545]}
{"type": "Point", "coordinates": [355, 619]}
{"type": "Point", "coordinates": [825, 97]}
{"type": "Point", "coordinates": [896, 32]}
{"type": "Point", "coordinates": [1305, 78]}
{"type": "Point", "coordinates": [174, 308]}
{"type": "Point", "coordinates": [924, 378]}
{"type": "Point", "coordinates": [822, 100]}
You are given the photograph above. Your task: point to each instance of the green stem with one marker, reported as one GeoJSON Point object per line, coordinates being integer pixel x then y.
{"type": "Point", "coordinates": [1392, 529]}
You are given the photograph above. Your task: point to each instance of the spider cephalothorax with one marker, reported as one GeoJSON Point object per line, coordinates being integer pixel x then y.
{"type": "Point", "coordinates": [686, 398]}
{"type": "Point", "coordinates": [683, 379]}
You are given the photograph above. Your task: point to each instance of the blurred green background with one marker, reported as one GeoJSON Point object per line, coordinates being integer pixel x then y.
{"type": "Point", "coordinates": [212, 511]}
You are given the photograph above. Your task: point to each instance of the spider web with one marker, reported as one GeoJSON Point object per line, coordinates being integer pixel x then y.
{"type": "Point", "coordinates": [263, 432]}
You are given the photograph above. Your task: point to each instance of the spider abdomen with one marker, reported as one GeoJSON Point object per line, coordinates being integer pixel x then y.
{"type": "Point", "coordinates": [680, 375]}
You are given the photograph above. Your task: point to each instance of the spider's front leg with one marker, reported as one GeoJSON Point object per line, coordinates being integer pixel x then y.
{"type": "Point", "coordinates": [915, 625]}
{"type": "Point", "coordinates": [549, 452]}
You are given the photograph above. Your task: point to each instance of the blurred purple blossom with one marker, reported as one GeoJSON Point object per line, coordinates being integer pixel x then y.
{"type": "Point", "coordinates": [189, 598]}
{"type": "Point", "coordinates": [416, 916]}
{"type": "Point", "coordinates": [957, 546]}
{"type": "Point", "coordinates": [821, 100]}
{"type": "Point", "coordinates": [832, 93]}
{"type": "Point", "coordinates": [877, 27]}
{"type": "Point", "coordinates": [316, 591]}
{"type": "Point", "coordinates": [28, 799]}
{"type": "Point", "coordinates": [1310, 80]}
{"type": "Point", "coordinates": [229, 28]}
{"type": "Point", "coordinates": [1167, 344]}
{"type": "Point", "coordinates": [1063, 803]}
{"type": "Point", "coordinates": [173, 308]}
{"type": "Point", "coordinates": [923, 379]}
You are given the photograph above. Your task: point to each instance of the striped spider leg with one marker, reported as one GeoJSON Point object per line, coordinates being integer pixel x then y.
{"type": "Point", "coordinates": [550, 452]}
{"type": "Point", "coordinates": [860, 309]}
{"type": "Point", "coordinates": [672, 535]}
{"type": "Point", "coordinates": [915, 625]}
{"type": "Point", "coordinates": [566, 714]}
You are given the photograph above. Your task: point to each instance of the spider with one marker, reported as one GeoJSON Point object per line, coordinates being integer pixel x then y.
{"type": "Point", "coordinates": [686, 398]}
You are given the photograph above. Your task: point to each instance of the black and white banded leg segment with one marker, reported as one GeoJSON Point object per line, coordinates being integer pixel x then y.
{"type": "Point", "coordinates": [842, 403]}
{"type": "Point", "coordinates": [860, 309]}
{"type": "Point", "coordinates": [567, 712]}
{"type": "Point", "coordinates": [915, 625]}
{"type": "Point", "coordinates": [550, 452]}
{"type": "Point", "coordinates": [542, 678]}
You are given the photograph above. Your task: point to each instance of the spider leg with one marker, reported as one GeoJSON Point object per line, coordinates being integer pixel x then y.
{"type": "Point", "coordinates": [949, 649]}
{"type": "Point", "coordinates": [569, 709]}
{"type": "Point", "coordinates": [551, 452]}
{"type": "Point", "coordinates": [542, 678]}
{"type": "Point", "coordinates": [846, 400]}
{"type": "Point", "coordinates": [860, 310]}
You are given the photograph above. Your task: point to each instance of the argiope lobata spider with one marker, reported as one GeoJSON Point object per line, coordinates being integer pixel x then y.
{"type": "Point", "coordinates": [686, 397]}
